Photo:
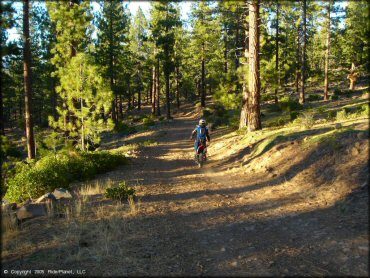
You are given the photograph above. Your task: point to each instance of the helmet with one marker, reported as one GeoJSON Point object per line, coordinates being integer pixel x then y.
{"type": "Point", "coordinates": [202, 122]}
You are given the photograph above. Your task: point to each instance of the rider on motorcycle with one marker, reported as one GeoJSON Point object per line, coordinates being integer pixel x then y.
{"type": "Point", "coordinates": [202, 134]}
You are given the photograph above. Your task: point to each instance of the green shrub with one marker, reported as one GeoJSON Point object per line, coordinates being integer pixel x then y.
{"type": "Point", "coordinates": [267, 97]}
{"type": "Point", "coordinates": [364, 110]}
{"type": "Point", "coordinates": [332, 114]}
{"type": "Point", "coordinates": [288, 104]}
{"type": "Point", "coordinates": [293, 115]}
{"type": "Point", "coordinates": [337, 92]}
{"type": "Point", "coordinates": [341, 115]}
{"type": "Point", "coordinates": [334, 97]}
{"type": "Point", "coordinates": [314, 97]}
{"type": "Point", "coordinates": [8, 148]}
{"type": "Point", "coordinates": [123, 128]}
{"type": "Point", "coordinates": [121, 192]}
{"type": "Point", "coordinates": [305, 120]}
{"type": "Point", "coordinates": [59, 170]}
{"type": "Point", "coordinates": [148, 121]}
{"type": "Point", "coordinates": [276, 123]}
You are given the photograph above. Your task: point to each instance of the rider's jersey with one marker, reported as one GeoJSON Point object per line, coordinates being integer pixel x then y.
{"type": "Point", "coordinates": [201, 132]}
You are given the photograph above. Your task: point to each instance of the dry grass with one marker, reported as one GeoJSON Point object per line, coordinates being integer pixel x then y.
{"type": "Point", "coordinates": [91, 228]}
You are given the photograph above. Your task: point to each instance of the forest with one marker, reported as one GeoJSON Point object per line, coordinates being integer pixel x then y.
{"type": "Point", "coordinates": [98, 102]}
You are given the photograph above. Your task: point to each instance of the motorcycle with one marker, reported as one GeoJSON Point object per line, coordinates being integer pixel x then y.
{"type": "Point", "coordinates": [201, 153]}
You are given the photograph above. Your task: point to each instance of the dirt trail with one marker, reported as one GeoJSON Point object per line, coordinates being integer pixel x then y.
{"type": "Point", "coordinates": [211, 221]}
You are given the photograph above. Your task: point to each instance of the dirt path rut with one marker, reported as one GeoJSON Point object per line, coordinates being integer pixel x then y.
{"type": "Point", "coordinates": [213, 222]}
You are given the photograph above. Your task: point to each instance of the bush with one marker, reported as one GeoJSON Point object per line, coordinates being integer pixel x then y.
{"type": "Point", "coordinates": [314, 97]}
{"type": "Point", "coordinates": [121, 192]}
{"type": "Point", "coordinates": [148, 121]}
{"type": "Point", "coordinates": [334, 97]}
{"type": "Point", "coordinates": [123, 128]}
{"type": "Point", "coordinates": [289, 104]}
{"type": "Point", "coordinates": [59, 170]}
{"type": "Point", "coordinates": [293, 115]}
{"type": "Point", "coordinates": [332, 114]}
{"type": "Point", "coordinates": [341, 115]}
{"type": "Point", "coordinates": [8, 148]}
{"type": "Point", "coordinates": [267, 97]}
{"type": "Point", "coordinates": [337, 92]}
{"type": "Point", "coordinates": [276, 123]}
{"type": "Point", "coordinates": [305, 120]}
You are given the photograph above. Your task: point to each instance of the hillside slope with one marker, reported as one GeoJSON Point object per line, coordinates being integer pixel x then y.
{"type": "Point", "coordinates": [279, 201]}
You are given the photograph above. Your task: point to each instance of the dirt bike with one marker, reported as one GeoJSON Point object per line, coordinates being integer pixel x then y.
{"type": "Point", "coordinates": [201, 153]}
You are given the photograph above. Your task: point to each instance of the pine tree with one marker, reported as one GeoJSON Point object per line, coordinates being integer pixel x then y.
{"type": "Point", "coordinates": [138, 36]}
{"type": "Point", "coordinates": [111, 49]}
{"type": "Point", "coordinates": [27, 81]}
{"type": "Point", "coordinates": [254, 117]}
{"type": "Point", "coordinates": [73, 27]}
{"type": "Point", "coordinates": [164, 19]}
{"type": "Point", "coordinates": [87, 96]}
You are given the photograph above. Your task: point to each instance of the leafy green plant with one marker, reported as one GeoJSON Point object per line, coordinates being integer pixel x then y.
{"type": "Point", "coordinates": [334, 97]}
{"type": "Point", "coordinates": [8, 148]}
{"type": "Point", "coordinates": [148, 121]}
{"type": "Point", "coordinates": [288, 104]}
{"type": "Point", "coordinates": [314, 97]}
{"type": "Point", "coordinates": [123, 128]}
{"type": "Point", "coordinates": [305, 120]}
{"type": "Point", "coordinates": [53, 171]}
{"type": "Point", "coordinates": [121, 192]}
{"type": "Point", "coordinates": [293, 115]}
{"type": "Point", "coordinates": [341, 115]}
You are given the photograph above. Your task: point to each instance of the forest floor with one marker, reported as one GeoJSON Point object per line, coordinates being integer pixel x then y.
{"type": "Point", "coordinates": [254, 209]}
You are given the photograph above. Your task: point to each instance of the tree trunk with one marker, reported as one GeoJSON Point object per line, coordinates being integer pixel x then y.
{"type": "Point", "coordinates": [236, 61]}
{"type": "Point", "coordinates": [120, 107]}
{"type": "Point", "coordinates": [157, 90]}
{"type": "Point", "coordinates": [154, 87]}
{"type": "Point", "coordinates": [225, 51]}
{"type": "Point", "coordinates": [111, 63]}
{"type": "Point", "coordinates": [129, 93]}
{"type": "Point", "coordinates": [27, 81]}
{"type": "Point", "coordinates": [244, 110]}
{"type": "Point", "coordinates": [254, 117]}
{"type": "Point", "coordinates": [178, 87]}
{"type": "Point", "coordinates": [277, 51]}
{"type": "Point", "coordinates": [303, 72]}
{"type": "Point", "coordinates": [203, 82]}
{"type": "Point", "coordinates": [326, 82]}
{"type": "Point", "coordinates": [168, 96]}
{"type": "Point", "coordinates": [2, 130]}
{"type": "Point", "coordinates": [297, 64]}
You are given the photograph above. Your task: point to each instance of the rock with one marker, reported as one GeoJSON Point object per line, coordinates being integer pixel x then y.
{"type": "Point", "coordinates": [234, 264]}
{"type": "Point", "coordinates": [354, 151]}
{"type": "Point", "coordinates": [338, 125]}
{"type": "Point", "coordinates": [361, 135]}
{"type": "Point", "coordinates": [7, 207]}
{"type": "Point", "coordinates": [60, 193]}
{"type": "Point", "coordinates": [223, 249]}
{"type": "Point", "coordinates": [48, 197]}
{"type": "Point", "coordinates": [31, 211]}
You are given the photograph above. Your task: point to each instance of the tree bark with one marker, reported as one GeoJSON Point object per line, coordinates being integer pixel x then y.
{"type": "Point", "coordinates": [326, 82]}
{"type": "Point", "coordinates": [178, 87]}
{"type": "Point", "coordinates": [111, 76]}
{"type": "Point", "coordinates": [254, 117]}
{"type": "Point", "coordinates": [157, 90]}
{"type": "Point", "coordinates": [168, 105]}
{"type": "Point", "coordinates": [2, 130]}
{"type": "Point", "coordinates": [277, 51]}
{"type": "Point", "coordinates": [225, 51]}
{"type": "Point", "coordinates": [297, 64]}
{"type": "Point", "coordinates": [27, 81]}
{"type": "Point", "coordinates": [203, 82]}
{"type": "Point", "coordinates": [154, 87]}
{"type": "Point", "coordinates": [303, 72]}
{"type": "Point", "coordinates": [244, 110]}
